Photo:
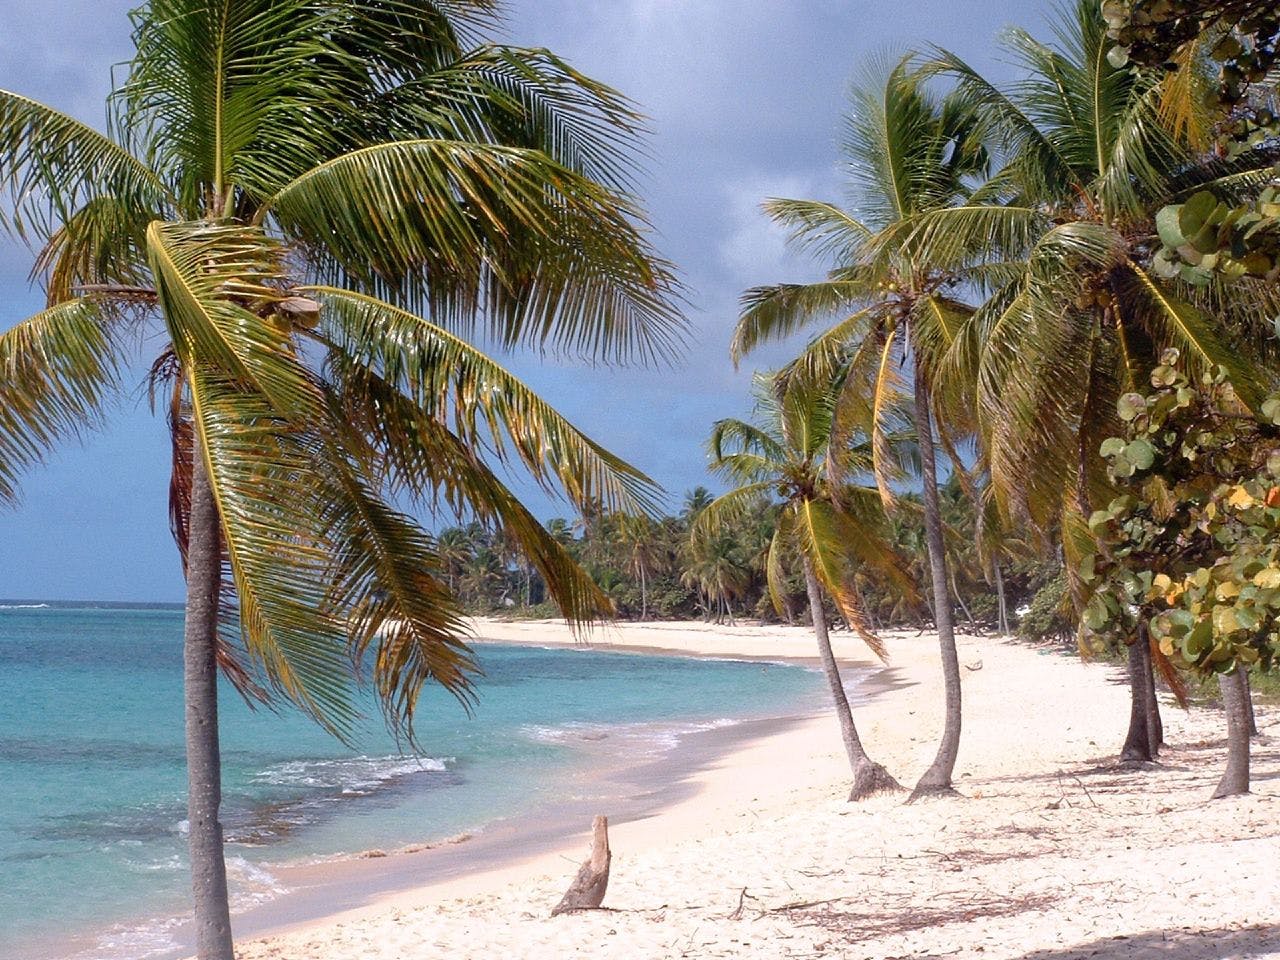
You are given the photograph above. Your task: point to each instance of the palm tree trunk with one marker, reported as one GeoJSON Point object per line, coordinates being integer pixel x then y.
{"type": "Point", "coordinates": [1150, 702]}
{"type": "Point", "coordinates": [937, 779]}
{"type": "Point", "coordinates": [1248, 705]}
{"type": "Point", "coordinates": [862, 605]}
{"type": "Point", "coordinates": [1002, 603]}
{"type": "Point", "coordinates": [1142, 741]}
{"type": "Point", "coordinates": [868, 776]}
{"type": "Point", "coordinates": [1235, 779]}
{"type": "Point", "coordinates": [644, 595]}
{"type": "Point", "coordinates": [968, 614]}
{"type": "Point", "coordinates": [1146, 731]}
{"type": "Point", "coordinates": [200, 675]}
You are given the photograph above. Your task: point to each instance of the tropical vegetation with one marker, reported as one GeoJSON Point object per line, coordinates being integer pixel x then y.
{"type": "Point", "coordinates": [1189, 553]}
{"type": "Point", "coordinates": [887, 307]}
{"type": "Point", "coordinates": [801, 456]}
{"type": "Point", "coordinates": [1039, 392]}
{"type": "Point", "coordinates": [311, 209]}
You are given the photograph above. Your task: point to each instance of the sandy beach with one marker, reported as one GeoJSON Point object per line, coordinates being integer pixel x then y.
{"type": "Point", "coordinates": [1051, 853]}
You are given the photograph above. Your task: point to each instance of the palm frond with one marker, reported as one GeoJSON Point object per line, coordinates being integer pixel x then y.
{"type": "Point", "coordinates": [52, 165]}
{"type": "Point", "coordinates": [730, 507]}
{"type": "Point", "coordinates": [57, 370]}
{"type": "Point", "coordinates": [444, 374]}
{"type": "Point", "coordinates": [417, 454]}
{"type": "Point", "coordinates": [959, 237]}
{"type": "Point", "coordinates": [102, 243]}
{"type": "Point", "coordinates": [1175, 322]}
{"type": "Point", "coordinates": [746, 437]}
{"type": "Point", "coordinates": [219, 92]}
{"type": "Point", "coordinates": [262, 474]}
{"type": "Point", "coordinates": [532, 98]}
{"type": "Point", "coordinates": [469, 230]}
{"type": "Point", "coordinates": [889, 391]}
{"type": "Point", "coordinates": [783, 538]}
{"type": "Point", "coordinates": [820, 228]}
{"type": "Point", "coordinates": [896, 146]}
{"type": "Point", "coordinates": [1018, 135]}
{"type": "Point", "coordinates": [385, 587]}
{"type": "Point", "coordinates": [216, 287]}
{"type": "Point", "coordinates": [776, 312]}
{"type": "Point", "coordinates": [835, 548]}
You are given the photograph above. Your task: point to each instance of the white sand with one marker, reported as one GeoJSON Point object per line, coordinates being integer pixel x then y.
{"type": "Point", "coordinates": [1051, 854]}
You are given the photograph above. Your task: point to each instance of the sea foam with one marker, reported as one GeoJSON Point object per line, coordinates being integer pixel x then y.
{"type": "Point", "coordinates": [349, 774]}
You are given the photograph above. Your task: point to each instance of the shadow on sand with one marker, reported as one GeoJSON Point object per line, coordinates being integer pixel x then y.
{"type": "Point", "coordinates": [1174, 945]}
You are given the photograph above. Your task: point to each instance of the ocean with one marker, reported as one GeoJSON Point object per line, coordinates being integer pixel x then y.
{"type": "Point", "coordinates": [92, 775]}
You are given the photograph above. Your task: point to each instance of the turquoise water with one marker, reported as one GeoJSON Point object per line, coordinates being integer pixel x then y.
{"type": "Point", "coordinates": [92, 777]}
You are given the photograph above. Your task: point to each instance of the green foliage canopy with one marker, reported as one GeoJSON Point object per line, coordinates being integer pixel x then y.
{"type": "Point", "coordinates": [1192, 544]}
{"type": "Point", "coordinates": [311, 208]}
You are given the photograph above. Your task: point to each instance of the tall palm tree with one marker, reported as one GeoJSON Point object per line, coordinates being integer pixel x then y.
{"type": "Point", "coordinates": [454, 547]}
{"type": "Point", "coordinates": [637, 537]}
{"type": "Point", "coordinates": [717, 569]}
{"type": "Point", "coordinates": [906, 152]}
{"type": "Point", "coordinates": [1063, 240]}
{"type": "Point", "coordinates": [695, 501]}
{"type": "Point", "coordinates": [800, 455]}
{"type": "Point", "coordinates": [313, 204]}
{"type": "Point", "coordinates": [1063, 237]}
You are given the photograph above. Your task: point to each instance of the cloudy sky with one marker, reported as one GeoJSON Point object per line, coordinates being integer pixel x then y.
{"type": "Point", "coordinates": [745, 99]}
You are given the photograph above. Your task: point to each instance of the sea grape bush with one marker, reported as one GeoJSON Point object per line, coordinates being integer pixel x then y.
{"type": "Point", "coordinates": [1191, 546]}
{"type": "Point", "coordinates": [1205, 236]}
{"type": "Point", "coordinates": [1243, 37]}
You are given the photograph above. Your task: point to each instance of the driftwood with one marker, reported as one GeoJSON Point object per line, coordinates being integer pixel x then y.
{"type": "Point", "coordinates": [588, 887]}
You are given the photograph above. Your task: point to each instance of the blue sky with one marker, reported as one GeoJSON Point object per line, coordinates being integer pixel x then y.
{"type": "Point", "coordinates": [745, 99]}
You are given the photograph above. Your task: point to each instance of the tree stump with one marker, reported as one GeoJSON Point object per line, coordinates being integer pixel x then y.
{"type": "Point", "coordinates": [588, 887]}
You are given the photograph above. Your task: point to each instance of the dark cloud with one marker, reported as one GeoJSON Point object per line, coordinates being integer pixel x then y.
{"type": "Point", "coordinates": [745, 99]}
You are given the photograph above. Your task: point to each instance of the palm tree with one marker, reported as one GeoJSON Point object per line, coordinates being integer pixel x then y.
{"type": "Point", "coordinates": [800, 453]}
{"type": "Point", "coordinates": [454, 547]}
{"type": "Point", "coordinates": [718, 571]}
{"type": "Point", "coordinates": [907, 153]}
{"type": "Point", "coordinates": [286, 192]}
{"type": "Point", "coordinates": [637, 536]}
{"type": "Point", "coordinates": [695, 501]}
{"type": "Point", "coordinates": [1079, 309]}
{"type": "Point", "coordinates": [1064, 237]}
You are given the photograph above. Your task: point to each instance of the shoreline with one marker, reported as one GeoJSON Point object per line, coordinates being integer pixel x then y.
{"type": "Point", "coordinates": [500, 848]}
{"type": "Point", "coordinates": [632, 790]}
{"type": "Point", "coordinates": [352, 884]}
{"type": "Point", "coordinates": [1053, 853]}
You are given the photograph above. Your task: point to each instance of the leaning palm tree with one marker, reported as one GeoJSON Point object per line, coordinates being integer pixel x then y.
{"type": "Point", "coordinates": [636, 537]}
{"type": "Point", "coordinates": [907, 152]}
{"type": "Point", "coordinates": [1063, 238]}
{"type": "Point", "coordinates": [717, 569]}
{"type": "Point", "coordinates": [800, 455]}
{"type": "Point", "coordinates": [312, 205]}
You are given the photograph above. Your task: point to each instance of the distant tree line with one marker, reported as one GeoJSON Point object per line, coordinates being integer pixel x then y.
{"type": "Point", "coordinates": [655, 569]}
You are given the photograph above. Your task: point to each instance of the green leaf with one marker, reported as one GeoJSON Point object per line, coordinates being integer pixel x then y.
{"type": "Point", "coordinates": [1140, 453]}
{"type": "Point", "coordinates": [1196, 213]}
{"type": "Point", "coordinates": [1112, 446]}
{"type": "Point", "coordinates": [1168, 221]}
{"type": "Point", "coordinates": [1096, 615]}
{"type": "Point", "coordinates": [1130, 406]}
